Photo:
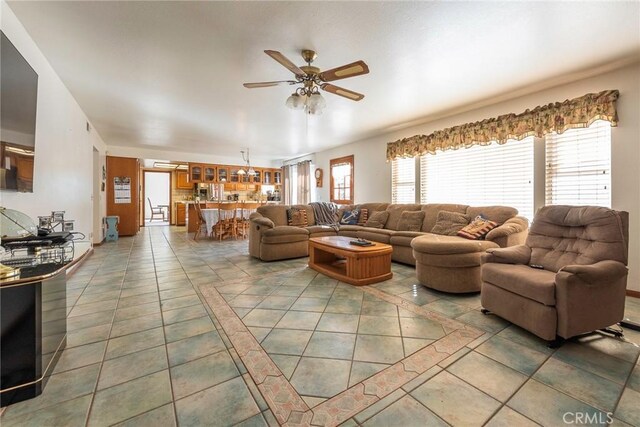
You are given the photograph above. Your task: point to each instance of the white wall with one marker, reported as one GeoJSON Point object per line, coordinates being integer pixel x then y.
{"type": "Point", "coordinates": [373, 173]}
{"type": "Point", "coordinates": [63, 175]}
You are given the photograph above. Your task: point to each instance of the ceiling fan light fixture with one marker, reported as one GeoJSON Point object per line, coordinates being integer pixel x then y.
{"type": "Point", "coordinates": [295, 102]}
{"type": "Point", "coordinates": [241, 172]}
{"type": "Point", "coordinates": [316, 101]}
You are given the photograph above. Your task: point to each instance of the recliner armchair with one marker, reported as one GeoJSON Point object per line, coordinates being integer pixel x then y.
{"type": "Point", "coordinates": [569, 277]}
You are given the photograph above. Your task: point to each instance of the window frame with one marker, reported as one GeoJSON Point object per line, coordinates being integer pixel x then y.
{"type": "Point", "coordinates": [337, 162]}
{"type": "Point", "coordinates": [395, 185]}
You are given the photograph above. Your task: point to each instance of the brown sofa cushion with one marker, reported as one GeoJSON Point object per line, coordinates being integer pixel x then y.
{"type": "Point", "coordinates": [477, 229]}
{"type": "Point", "coordinates": [297, 217]}
{"type": "Point", "coordinates": [395, 212]}
{"type": "Point", "coordinates": [377, 219]}
{"type": "Point", "coordinates": [311, 218]}
{"type": "Point", "coordinates": [285, 234]}
{"type": "Point", "coordinates": [538, 285]}
{"type": "Point", "coordinates": [449, 245]}
{"type": "Point", "coordinates": [449, 223]}
{"type": "Point", "coordinates": [411, 221]}
{"type": "Point", "coordinates": [431, 211]}
{"type": "Point", "coordinates": [376, 234]}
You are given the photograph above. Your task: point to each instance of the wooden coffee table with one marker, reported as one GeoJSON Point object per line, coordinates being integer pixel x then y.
{"type": "Point", "coordinates": [356, 265]}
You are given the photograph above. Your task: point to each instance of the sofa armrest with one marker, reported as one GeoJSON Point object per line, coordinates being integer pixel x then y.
{"type": "Point", "coordinates": [520, 254]}
{"type": "Point", "coordinates": [258, 219]}
{"type": "Point", "coordinates": [590, 297]}
{"type": "Point", "coordinates": [514, 225]}
{"type": "Point", "coordinates": [600, 273]}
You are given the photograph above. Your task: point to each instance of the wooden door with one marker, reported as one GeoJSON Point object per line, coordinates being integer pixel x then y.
{"type": "Point", "coordinates": [124, 172]}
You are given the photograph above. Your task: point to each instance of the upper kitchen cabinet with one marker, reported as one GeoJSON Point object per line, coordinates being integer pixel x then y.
{"type": "Point", "coordinates": [277, 176]}
{"type": "Point", "coordinates": [195, 173]}
{"type": "Point", "coordinates": [223, 174]}
{"type": "Point", "coordinates": [182, 180]}
{"type": "Point", "coordinates": [267, 177]}
{"type": "Point", "coordinates": [208, 174]}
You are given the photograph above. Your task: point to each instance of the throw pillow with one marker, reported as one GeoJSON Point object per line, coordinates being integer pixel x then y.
{"type": "Point", "coordinates": [364, 216]}
{"type": "Point", "coordinates": [449, 223]}
{"type": "Point", "coordinates": [377, 219]}
{"type": "Point", "coordinates": [350, 217]}
{"type": "Point", "coordinates": [297, 217]}
{"type": "Point", "coordinates": [411, 221]}
{"type": "Point", "coordinates": [478, 228]}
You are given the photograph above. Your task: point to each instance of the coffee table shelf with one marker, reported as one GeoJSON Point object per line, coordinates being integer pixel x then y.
{"type": "Point", "coordinates": [356, 265]}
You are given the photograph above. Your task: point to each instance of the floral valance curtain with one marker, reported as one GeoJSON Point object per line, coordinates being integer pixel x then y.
{"type": "Point", "coordinates": [557, 117]}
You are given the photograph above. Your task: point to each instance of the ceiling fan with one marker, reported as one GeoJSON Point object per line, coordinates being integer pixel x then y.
{"type": "Point", "coordinates": [308, 96]}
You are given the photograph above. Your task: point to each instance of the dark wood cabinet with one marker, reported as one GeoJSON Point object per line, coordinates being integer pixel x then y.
{"type": "Point", "coordinates": [181, 214]}
{"type": "Point", "coordinates": [182, 180]}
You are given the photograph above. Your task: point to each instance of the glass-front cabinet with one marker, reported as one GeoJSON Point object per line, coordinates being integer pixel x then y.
{"type": "Point", "coordinates": [257, 178]}
{"type": "Point", "coordinates": [195, 173]}
{"type": "Point", "coordinates": [277, 177]}
{"type": "Point", "coordinates": [209, 174]}
{"type": "Point", "coordinates": [233, 174]}
{"type": "Point", "coordinates": [267, 177]}
{"type": "Point", "coordinates": [223, 174]}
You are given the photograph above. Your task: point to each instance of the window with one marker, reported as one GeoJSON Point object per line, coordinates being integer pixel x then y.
{"type": "Point", "coordinates": [481, 175]}
{"type": "Point", "coordinates": [341, 180]}
{"type": "Point", "coordinates": [578, 170]}
{"type": "Point", "coordinates": [403, 180]}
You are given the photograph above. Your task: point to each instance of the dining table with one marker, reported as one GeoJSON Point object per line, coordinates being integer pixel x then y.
{"type": "Point", "coordinates": [212, 216]}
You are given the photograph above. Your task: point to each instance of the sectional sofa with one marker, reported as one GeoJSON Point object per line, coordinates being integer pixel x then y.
{"type": "Point", "coordinates": [448, 263]}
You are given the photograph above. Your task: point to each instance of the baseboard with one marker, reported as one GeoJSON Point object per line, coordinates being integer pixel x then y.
{"type": "Point", "coordinates": [635, 294]}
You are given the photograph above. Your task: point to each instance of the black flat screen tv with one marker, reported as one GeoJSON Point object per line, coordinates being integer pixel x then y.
{"type": "Point", "coordinates": [18, 105]}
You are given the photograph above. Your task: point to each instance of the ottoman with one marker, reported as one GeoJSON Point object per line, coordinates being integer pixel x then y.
{"type": "Point", "coordinates": [449, 263]}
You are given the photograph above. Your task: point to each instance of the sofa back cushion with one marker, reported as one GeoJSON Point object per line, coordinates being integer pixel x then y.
{"type": "Point", "coordinates": [566, 235]}
{"type": "Point", "coordinates": [431, 213]}
{"type": "Point", "coordinates": [449, 223]}
{"type": "Point", "coordinates": [497, 214]}
{"type": "Point", "coordinates": [276, 213]}
{"type": "Point", "coordinates": [395, 211]}
{"type": "Point", "coordinates": [377, 219]}
{"type": "Point", "coordinates": [411, 221]}
{"type": "Point", "coordinates": [311, 219]}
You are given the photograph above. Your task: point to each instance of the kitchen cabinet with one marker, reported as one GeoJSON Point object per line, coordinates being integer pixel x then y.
{"type": "Point", "coordinates": [182, 180]}
{"type": "Point", "coordinates": [208, 174]}
{"type": "Point", "coordinates": [277, 177]}
{"type": "Point", "coordinates": [195, 173]}
{"type": "Point", "coordinates": [181, 214]}
{"type": "Point", "coordinates": [223, 174]}
{"type": "Point", "coordinates": [233, 174]}
{"type": "Point", "coordinates": [257, 178]}
{"type": "Point", "coordinates": [267, 177]}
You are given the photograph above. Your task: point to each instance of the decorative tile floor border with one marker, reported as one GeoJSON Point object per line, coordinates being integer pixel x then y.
{"type": "Point", "coordinates": [288, 406]}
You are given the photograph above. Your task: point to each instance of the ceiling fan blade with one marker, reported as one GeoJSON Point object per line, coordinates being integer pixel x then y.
{"type": "Point", "coordinates": [283, 60]}
{"type": "Point", "coordinates": [268, 84]}
{"type": "Point", "coordinates": [350, 70]}
{"type": "Point", "coordinates": [336, 90]}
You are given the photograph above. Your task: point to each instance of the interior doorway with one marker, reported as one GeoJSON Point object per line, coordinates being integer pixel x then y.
{"type": "Point", "coordinates": [157, 194]}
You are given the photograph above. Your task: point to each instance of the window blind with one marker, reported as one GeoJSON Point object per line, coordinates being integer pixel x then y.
{"type": "Point", "coordinates": [481, 176]}
{"type": "Point", "coordinates": [403, 180]}
{"type": "Point", "coordinates": [578, 166]}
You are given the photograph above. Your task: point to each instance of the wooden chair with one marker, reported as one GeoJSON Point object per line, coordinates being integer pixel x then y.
{"type": "Point", "coordinates": [155, 211]}
{"type": "Point", "coordinates": [200, 222]}
{"type": "Point", "coordinates": [243, 223]}
{"type": "Point", "coordinates": [227, 225]}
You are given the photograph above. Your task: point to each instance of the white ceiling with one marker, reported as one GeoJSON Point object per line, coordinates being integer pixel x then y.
{"type": "Point", "coordinates": [168, 75]}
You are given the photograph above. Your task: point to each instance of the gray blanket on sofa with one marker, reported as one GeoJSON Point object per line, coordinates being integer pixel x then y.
{"type": "Point", "coordinates": [325, 213]}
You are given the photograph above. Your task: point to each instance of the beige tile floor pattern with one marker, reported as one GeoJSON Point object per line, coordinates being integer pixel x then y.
{"type": "Point", "coordinates": [143, 350]}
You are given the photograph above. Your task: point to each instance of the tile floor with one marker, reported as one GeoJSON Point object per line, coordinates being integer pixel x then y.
{"type": "Point", "coordinates": [145, 348]}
